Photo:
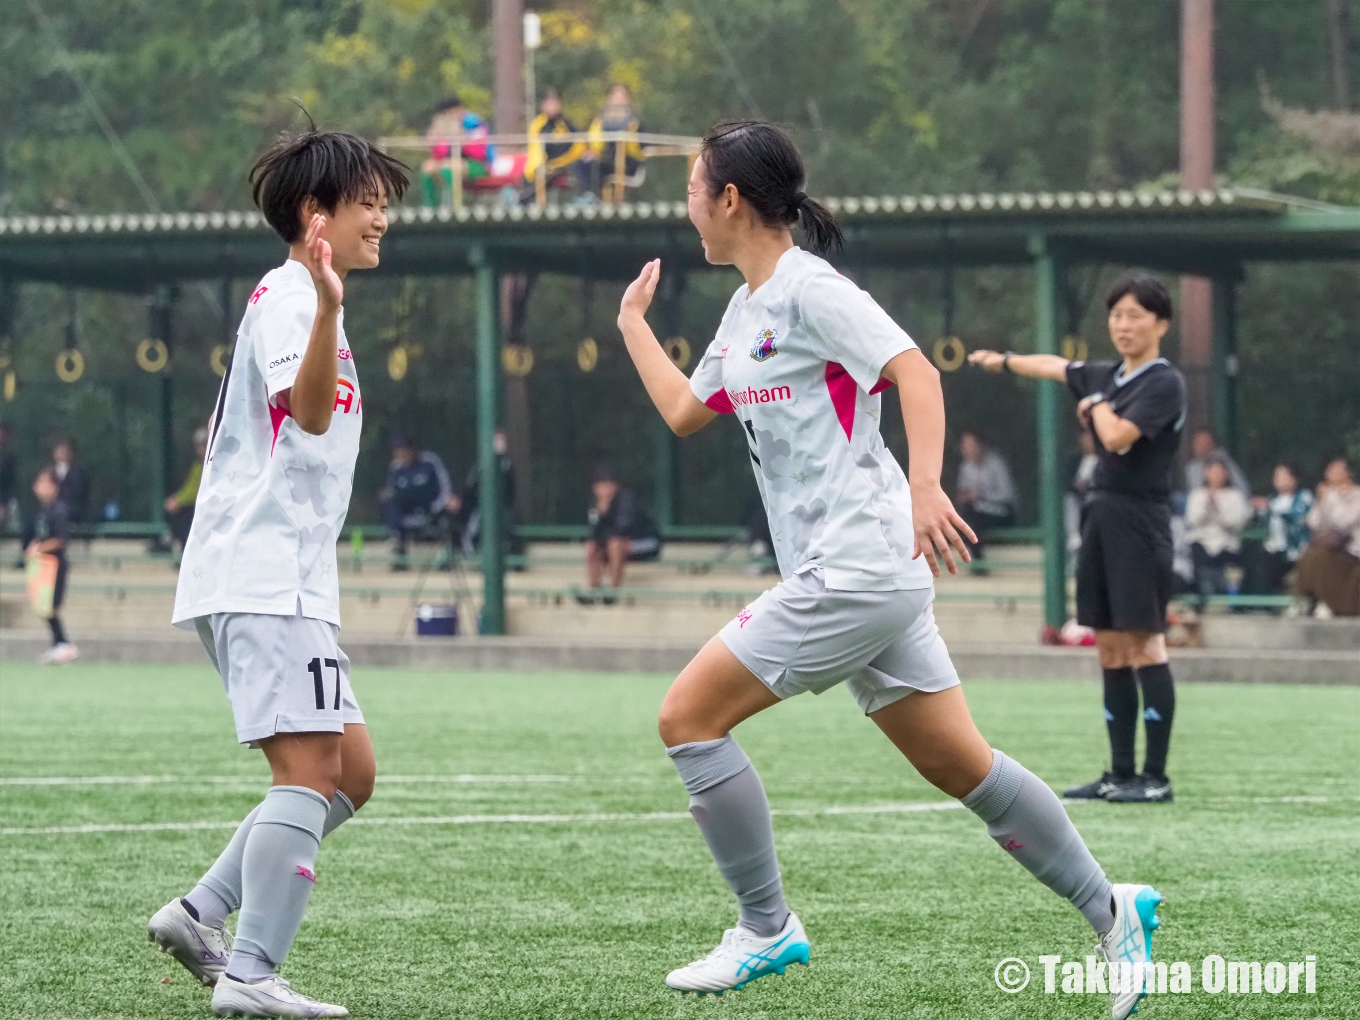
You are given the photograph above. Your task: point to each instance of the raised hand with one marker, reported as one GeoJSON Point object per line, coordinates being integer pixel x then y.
{"type": "Point", "coordinates": [638, 297]}
{"type": "Point", "coordinates": [938, 526]}
{"type": "Point", "coordinates": [330, 291]}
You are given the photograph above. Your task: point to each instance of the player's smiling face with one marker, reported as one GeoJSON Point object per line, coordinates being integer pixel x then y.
{"type": "Point", "coordinates": [712, 217]}
{"type": "Point", "coordinates": [1134, 330]}
{"type": "Point", "coordinates": [355, 229]}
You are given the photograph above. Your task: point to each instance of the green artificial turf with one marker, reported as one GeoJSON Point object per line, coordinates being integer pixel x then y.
{"type": "Point", "coordinates": [908, 912]}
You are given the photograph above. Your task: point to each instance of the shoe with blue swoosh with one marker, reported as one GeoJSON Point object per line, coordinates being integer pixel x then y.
{"type": "Point", "coordinates": [1127, 946]}
{"type": "Point", "coordinates": [741, 957]}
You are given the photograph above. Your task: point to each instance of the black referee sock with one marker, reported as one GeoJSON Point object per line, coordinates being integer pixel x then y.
{"type": "Point", "coordinates": [1159, 708]}
{"type": "Point", "coordinates": [1121, 718]}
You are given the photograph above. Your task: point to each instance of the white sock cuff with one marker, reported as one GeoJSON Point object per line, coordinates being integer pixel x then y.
{"type": "Point", "coordinates": [297, 806]}
{"type": "Point", "coordinates": [998, 791]}
{"type": "Point", "coordinates": [704, 764]}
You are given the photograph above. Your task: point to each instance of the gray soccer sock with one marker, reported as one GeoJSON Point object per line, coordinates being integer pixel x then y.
{"type": "Point", "coordinates": [218, 893]}
{"type": "Point", "coordinates": [341, 810]}
{"type": "Point", "coordinates": [277, 877]}
{"type": "Point", "coordinates": [1027, 820]}
{"type": "Point", "coordinates": [728, 802]}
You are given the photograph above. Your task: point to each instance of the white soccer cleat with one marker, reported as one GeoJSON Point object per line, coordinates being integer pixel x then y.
{"type": "Point", "coordinates": [59, 655]}
{"type": "Point", "coordinates": [202, 950]}
{"type": "Point", "coordinates": [741, 957]}
{"type": "Point", "coordinates": [271, 997]}
{"type": "Point", "coordinates": [1129, 942]}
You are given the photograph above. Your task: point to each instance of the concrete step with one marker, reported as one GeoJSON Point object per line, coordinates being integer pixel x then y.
{"type": "Point", "coordinates": [992, 662]}
{"type": "Point", "coordinates": [1250, 630]}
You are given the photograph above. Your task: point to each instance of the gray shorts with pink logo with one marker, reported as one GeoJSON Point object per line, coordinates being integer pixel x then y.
{"type": "Point", "coordinates": [882, 645]}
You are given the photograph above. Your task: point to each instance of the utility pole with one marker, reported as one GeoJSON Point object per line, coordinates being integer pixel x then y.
{"type": "Point", "coordinates": [507, 26]}
{"type": "Point", "coordinates": [1197, 173]}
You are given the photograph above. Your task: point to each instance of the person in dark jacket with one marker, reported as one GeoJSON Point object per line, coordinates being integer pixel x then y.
{"type": "Point", "coordinates": [72, 480]}
{"type": "Point", "coordinates": [621, 529]}
{"type": "Point", "coordinates": [417, 494]}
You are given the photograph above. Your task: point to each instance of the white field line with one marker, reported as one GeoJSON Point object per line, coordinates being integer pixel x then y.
{"type": "Point", "coordinates": [587, 817]}
{"type": "Point", "coordinates": [515, 819]}
{"type": "Point", "coordinates": [258, 780]}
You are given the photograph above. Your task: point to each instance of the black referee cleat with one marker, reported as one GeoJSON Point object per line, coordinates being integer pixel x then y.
{"type": "Point", "coordinates": [1099, 790]}
{"type": "Point", "coordinates": [1143, 789]}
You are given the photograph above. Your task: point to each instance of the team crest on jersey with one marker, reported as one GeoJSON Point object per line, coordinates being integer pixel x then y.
{"type": "Point", "coordinates": [764, 349]}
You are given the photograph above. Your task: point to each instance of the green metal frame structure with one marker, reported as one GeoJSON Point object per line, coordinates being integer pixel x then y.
{"type": "Point", "coordinates": [1208, 233]}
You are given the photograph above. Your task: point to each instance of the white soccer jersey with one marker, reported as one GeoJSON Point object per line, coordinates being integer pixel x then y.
{"type": "Point", "coordinates": [273, 498]}
{"type": "Point", "coordinates": [798, 362]}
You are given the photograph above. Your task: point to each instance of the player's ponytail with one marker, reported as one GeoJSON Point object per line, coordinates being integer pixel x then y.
{"type": "Point", "coordinates": [762, 163]}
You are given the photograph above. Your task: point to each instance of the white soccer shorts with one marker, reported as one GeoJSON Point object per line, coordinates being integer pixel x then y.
{"type": "Point", "coordinates": [799, 636]}
{"type": "Point", "coordinates": [282, 674]}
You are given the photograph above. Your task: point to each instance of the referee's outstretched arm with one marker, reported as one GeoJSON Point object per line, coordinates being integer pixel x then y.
{"type": "Point", "coordinates": [1116, 434]}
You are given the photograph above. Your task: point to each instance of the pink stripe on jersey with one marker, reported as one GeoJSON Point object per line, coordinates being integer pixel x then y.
{"type": "Point", "coordinates": [880, 386]}
{"type": "Point", "coordinates": [276, 417]}
{"type": "Point", "coordinates": [721, 403]}
{"type": "Point", "coordinates": [843, 391]}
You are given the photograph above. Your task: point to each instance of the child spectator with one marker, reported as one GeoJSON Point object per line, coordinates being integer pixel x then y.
{"type": "Point", "coordinates": [1215, 515]}
{"type": "Point", "coordinates": [1285, 516]}
{"type": "Point", "coordinates": [45, 534]}
{"type": "Point", "coordinates": [558, 159]}
{"type": "Point", "coordinates": [617, 115]}
{"type": "Point", "coordinates": [179, 505]}
{"type": "Point", "coordinates": [1328, 571]}
{"type": "Point", "coordinates": [620, 530]}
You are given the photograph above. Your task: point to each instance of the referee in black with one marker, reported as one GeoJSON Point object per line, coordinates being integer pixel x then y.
{"type": "Point", "coordinates": [1135, 410]}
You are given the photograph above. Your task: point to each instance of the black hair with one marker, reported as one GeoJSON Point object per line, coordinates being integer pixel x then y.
{"type": "Point", "coordinates": [762, 163]}
{"type": "Point", "coordinates": [976, 433]}
{"type": "Point", "coordinates": [604, 473]}
{"type": "Point", "coordinates": [1289, 466]}
{"type": "Point", "coordinates": [1205, 430]}
{"type": "Point", "coordinates": [1146, 290]}
{"type": "Point", "coordinates": [332, 167]}
{"type": "Point", "coordinates": [450, 102]}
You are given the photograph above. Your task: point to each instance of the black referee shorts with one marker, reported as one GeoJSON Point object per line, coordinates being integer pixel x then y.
{"type": "Point", "coordinates": [1124, 575]}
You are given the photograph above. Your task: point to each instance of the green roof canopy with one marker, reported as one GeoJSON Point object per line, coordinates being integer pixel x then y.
{"type": "Point", "coordinates": [1172, 231]}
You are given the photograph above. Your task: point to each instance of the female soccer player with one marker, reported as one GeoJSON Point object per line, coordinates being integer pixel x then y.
{"type": "Point", "coordinates": [258, 577]}
{"type": "Point", "coordinates": [799, 358]}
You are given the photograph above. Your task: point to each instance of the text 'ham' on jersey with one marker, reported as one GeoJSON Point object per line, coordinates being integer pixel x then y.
{"type": "Point", "coordinates": [273, 498]}
{"type": "Point", "coordinates": [799, 363]}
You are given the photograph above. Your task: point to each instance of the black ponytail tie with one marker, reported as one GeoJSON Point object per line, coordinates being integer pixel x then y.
{"type": "Point", "coordinates": [799, 200]}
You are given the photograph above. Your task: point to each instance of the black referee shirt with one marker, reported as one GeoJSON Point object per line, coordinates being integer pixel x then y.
{"type": "Point", "coordinates": [1153, 398]}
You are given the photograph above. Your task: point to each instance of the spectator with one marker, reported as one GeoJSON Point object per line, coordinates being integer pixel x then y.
{"type": "Point", "coordinates": [45, 534]}
{"type": "Point", "coordinates": [617, 115]}
{"type": "Point", "coordinates": [179, 506]}
{"type": "Point", "coordinates": [453, 120]}
{"type": "Point", "coordinates": [1215, 515]}
{"type": "Point", "coordinates": [1286, 521]}
{"type": "Point", "coordinates": [558, 159]}
{"type": "Point", "coordinates": [472, 501]}
{"type": "Point", "coordinates": [9, 479]}
{"type": "Point", "coordinates": [72, 480]}
{"type": "Point", "coordinates": [1203, 445]}
{"type": "Point", "coordinates": [1328, 571]}
{"type": "Point", "coordinates": [1081, 472]}
{"type": "Point", "coordinates": [985, 493]}
{"type": "Point", "coordinates": [620, 530]}
{"type": "Point", "coordinates": [417, 495]}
